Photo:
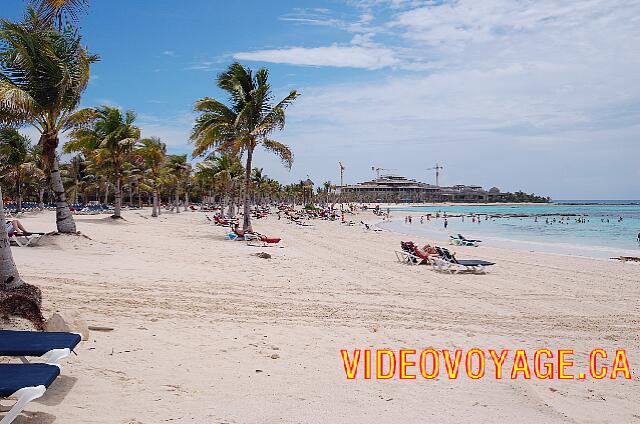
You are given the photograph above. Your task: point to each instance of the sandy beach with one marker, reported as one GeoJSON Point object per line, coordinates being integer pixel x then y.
{"type": "Point", "coordinates": [206, 332]}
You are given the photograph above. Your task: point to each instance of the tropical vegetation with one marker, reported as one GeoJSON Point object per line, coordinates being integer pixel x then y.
{"type": "Point", "coordinates": [248, 121]}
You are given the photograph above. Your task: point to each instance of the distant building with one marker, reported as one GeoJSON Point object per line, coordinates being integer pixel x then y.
{"type": "Point", "coordinates": [390, 188]}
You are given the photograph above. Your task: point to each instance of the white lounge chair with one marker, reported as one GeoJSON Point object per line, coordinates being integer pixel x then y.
{"type": "Point", "coordinates": [24, 240]}
{"type": "Point", "coordinates": [446, 262]}
{"type": "Point", "coordinates": [407, 258]}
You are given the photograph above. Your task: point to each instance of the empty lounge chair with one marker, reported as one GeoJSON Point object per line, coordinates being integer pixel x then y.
{"type": "Point", "coordinates": [24, 383]}
{"type": "Point", "coordinates": [460, 240]}
{"type": "Point", "coordinates": [261, 240]}
{"type": "Point", "coordinates": [51, 347]}
{"type": "Point", "coordinates": [447, 262]}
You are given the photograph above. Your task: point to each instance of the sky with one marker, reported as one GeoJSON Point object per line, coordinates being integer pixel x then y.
{"type": "Point", "coordinates": [541, 96]}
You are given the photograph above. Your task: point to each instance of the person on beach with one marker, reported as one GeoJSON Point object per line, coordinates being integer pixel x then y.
{"type": "Point", "coordinates": [638, 237]}
{"type": "Point", "coordinates": [446, 223]}
{"type": "Point", "coordinates": [14, 225]}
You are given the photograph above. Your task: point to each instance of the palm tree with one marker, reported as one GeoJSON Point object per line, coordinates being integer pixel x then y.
{"type": "Point", "coordinates": [110, 141]}
{"type": "Point", "coordinates": [153, 152]}
{"type": "Point", "coordinates": [43, 73]}
{"type": "Point", "coordinates": [244, 125]}
{"type": "Point", "coordinates": [229, 172]}
{"type": "Point", "coordinates": [177, 166]}
{"type": "Point", "coordinates": [17, 298]}
{"type": "Point", "coordinates": [15, 152]}
{"type": "Point", "coordinates": [75, 174]}
{"type": "Point", "coordinates": [59, 11]}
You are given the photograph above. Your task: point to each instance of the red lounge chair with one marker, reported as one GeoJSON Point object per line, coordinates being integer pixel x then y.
{"type": "Point", "coordinates": [266, 241]}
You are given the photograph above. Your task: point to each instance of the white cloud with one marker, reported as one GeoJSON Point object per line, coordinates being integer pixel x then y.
{"type": "Point", "coordinates": [515, 92]}
{"type": "Point", "coordinates": [174, 131]}
{"type": "Point", "coordinates": [353, 56]}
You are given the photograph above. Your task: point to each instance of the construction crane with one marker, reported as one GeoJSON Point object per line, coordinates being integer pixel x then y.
{"type": "Point", "coordinates": [342, 168]}
{"type": "Point", "coordinates": [437, 168]}
{"type": "Point", "coordinates": [377, 170]}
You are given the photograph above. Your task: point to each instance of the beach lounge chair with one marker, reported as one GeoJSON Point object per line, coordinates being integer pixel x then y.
{"type": "Point", "coordinates": [368, 227]}
{"type": "Point", "coordinates": [26, 239]}
{"type": "Point", "coordinates": [447, 262]}
{"type": "Point", "coordinates": [257, 239]}
{"type": "Point", "coordinates": [51, 347]}
{"type": "Point", "coordinates": [460, 240]}
{"type": "Point", "coordinates": [24, 383]}
{"type": "Point", "coordinates": [224, 222]}
{"type": "Point", "coordinates": [411, 255]}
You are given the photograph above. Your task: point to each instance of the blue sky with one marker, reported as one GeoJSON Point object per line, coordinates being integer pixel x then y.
{"type": "Point", "coordinates": [542, 95]}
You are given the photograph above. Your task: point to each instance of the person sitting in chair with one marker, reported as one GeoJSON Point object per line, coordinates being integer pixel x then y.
{"type": "Point", "coordinates": [16, 227]}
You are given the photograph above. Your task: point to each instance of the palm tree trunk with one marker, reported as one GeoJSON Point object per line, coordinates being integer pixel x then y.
{"type": "Point", "coordinates": [154, 209]}
{"type": "Point", "coordinates": [246, 225]}
{"type": "Point", "coordinates": [64, 219]}
{"type": "Point", "coordinates": [18, 193]}
{"type": "Point", "coordinates": [41, 198]}
{"type": "Point", "coordinates": [186, 200]}
{"type": "Point", "coordinates": [231, 210]}
{"type": "Point", "coordinates": [177, 200]}
{"type": "Point", "coordinates": [118, 204]}
{"type": "Point", "coordinates": [17, 298]}
{"type": "Point", "coordinates": [106, 192]}
{"type": "Point", "coordinates": [75, 193]}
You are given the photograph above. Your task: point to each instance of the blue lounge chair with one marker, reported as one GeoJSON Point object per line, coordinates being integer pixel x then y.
{"type": "Point", "coordinates": [24, 383]}
{"type": "Point", "coordinates": [50, 347]}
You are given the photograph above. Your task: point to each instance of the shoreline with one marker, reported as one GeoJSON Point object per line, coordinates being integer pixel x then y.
{"type": "Point", "coordinates": [506, 204]}
{"type": "Point", "coordinates": [563, 249]}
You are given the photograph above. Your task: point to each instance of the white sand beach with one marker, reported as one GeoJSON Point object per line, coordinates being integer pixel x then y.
{"type": "Point", "coordinates": [206, 332]}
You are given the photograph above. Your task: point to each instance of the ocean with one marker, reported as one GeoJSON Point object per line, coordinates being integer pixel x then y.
{"type": "Point", "coordinates": [593, 228]}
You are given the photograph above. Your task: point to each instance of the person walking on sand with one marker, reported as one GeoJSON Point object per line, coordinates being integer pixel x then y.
{"type": "Point", "coordinates": [638, 237]}
{"type": "Point", "coordinates": [446, 223]}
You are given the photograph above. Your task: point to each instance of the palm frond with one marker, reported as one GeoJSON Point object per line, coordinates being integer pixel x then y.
{"type": "Point", "coordinates": [281, 150]}
{"type": "Point", "coordinates": [60, 11]}
{"type": "Point", "coordinates": [79, 118]}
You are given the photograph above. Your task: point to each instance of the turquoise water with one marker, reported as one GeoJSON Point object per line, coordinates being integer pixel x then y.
{"type": "Point", "coordinates": [602, 234]}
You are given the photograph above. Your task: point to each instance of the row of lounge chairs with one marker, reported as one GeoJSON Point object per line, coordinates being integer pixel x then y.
{"type": "Point", "coordinates": [22, 383]}
{"type": "Point", "coordinates": [252, 238]}
{"type": "Point", "coordinates": [441, 259]}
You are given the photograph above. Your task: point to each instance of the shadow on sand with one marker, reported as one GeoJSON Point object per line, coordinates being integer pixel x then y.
{"type": "Point", "coordinates": [35, 418]}
{"type": "Point", "coordinates": [56, 393]}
